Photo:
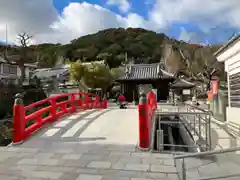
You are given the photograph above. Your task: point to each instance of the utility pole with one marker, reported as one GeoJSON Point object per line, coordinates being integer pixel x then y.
{"type": "Point", "coordinates": [6, 40]}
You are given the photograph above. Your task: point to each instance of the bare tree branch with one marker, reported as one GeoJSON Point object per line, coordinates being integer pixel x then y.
{"type": "Point", "coordinates": [24, 39]}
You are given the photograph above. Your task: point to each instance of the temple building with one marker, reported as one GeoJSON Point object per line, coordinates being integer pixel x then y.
{"type": "Point", "coordinates": [182, 88]}
{"type": "Point", "coordinates": [139, 74]}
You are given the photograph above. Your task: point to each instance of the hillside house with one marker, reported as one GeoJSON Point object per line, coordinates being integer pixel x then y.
{"type": "Point", "coordinates": [10, 72]}
{"type": "Point", "coordinates": [230, 55]}
{"type": "Point", "coordinates": [60, 72]}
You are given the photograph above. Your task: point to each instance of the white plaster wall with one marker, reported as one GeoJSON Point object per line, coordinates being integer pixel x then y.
{"type": "Point", "coordinates": [229, 52]}
{"type": "Point", "coordinates": [27, 72]}
{"type": "Point", "coordinates": [231, 59]}
{"type": "Point", "coordinates": [232, 65]}
{"type": "Point", "coordinates": [232, 115]}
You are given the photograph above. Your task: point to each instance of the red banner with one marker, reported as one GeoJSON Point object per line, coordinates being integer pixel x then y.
{"type": "Point", "coordinates": [209, 93]}
{"type": "Point", "coordinates": [214, 87]}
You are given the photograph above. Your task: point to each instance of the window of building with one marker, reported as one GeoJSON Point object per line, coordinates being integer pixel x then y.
{"type": "Point", "coordinates": [234, 82]}
{"type": "Point", "coordinates": [9, 69]}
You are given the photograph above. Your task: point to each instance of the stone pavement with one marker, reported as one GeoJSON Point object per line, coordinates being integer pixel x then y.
{"type": "Point", "coordinates": [89, 145]}
{"type": "Point", "coordinates": [84, 162]}
{"type": "Point", "coordinates": [215, 165]}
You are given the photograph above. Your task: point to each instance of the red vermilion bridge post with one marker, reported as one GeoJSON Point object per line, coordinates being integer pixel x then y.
{"type": "Point", "coordinates": [146, 108]}
{"type": "Point", "coordinates": [19, 116]}
{"type": "Point", "coordinates": [50, 112]}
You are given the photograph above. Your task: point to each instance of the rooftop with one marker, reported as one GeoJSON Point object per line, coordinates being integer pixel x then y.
{"type": "Point", "coordinates": [50, 72]}
{"type": "Point", "coordinates": [230, 43]}
{"type": "Point", "coordinates": [33, 65]}
{"type": "Point", "coordinates": [181, 83]}
{"type": "Point", "coordinates": [145, 71]}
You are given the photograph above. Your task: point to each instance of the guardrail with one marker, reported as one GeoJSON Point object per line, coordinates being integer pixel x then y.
{"type": "Point", "coordinates": [181, 164]}
{"type": "Point", "coordinates": [201, 125]}
{"type": "Point", "coordinates": [190, 106]}
{"type": "Point", "coordinates": [146, 108]}
{"type": "Point", "coordinates": [180, 160]}
{"type": "Point", "coordinates": [49, 110]}
{"type": "Point", "coordinates": [196, 121]}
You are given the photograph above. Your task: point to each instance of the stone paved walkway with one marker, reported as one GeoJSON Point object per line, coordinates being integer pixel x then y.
{"type": "Point", "coordinates": [81, 162]}
{"type": "Point", "coordinates": [101, 145]}
{"type": "Point", "coordinates": [91, 145]}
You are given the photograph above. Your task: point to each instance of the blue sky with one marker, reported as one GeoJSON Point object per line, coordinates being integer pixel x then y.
{"type": "Point", "coordinates": [142, 8]}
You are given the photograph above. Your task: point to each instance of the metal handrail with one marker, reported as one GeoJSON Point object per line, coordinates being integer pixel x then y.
{"type": "Point", "coordinates": [219, 177]}
{"type": "Point", "coordinates": [179, 113]}
{"type": "Point", "coordinates": [200, 154]}
{"type": "Point", "coordinates": [199, 112]}
{"type": "Point", "coordinates": [202, 118]}
{"type": "Point", "coordinates": [182, 173]}
{"type": "Point", "coordinates": [198, 108]}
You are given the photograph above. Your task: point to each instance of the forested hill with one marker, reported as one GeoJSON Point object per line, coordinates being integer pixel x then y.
{"type": "Point", "coordinates": [139, 44]}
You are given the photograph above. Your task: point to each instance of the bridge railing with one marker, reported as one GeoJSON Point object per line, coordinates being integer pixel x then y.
{"type": "Point", "coordinates": [28, 119]}
{"type": "Point", "coordinates": [146, 108]}
{"type": "Point", "coordinates": [182, 160]}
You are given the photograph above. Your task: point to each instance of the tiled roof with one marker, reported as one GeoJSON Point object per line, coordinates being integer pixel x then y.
{"type": "Point", "coordinates": [232, 41]}
{"type": "Point", "coordinates": [181, 83]}
{"type": "Point", "coordinates": [145, 71]}
{"type": "Point", "coordinates": [50, 72]}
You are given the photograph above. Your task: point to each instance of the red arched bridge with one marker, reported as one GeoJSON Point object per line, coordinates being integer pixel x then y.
{"type": "Point", "coordinates": [77, 136]}
{"type": "Point", "coordinates": [82, 117]}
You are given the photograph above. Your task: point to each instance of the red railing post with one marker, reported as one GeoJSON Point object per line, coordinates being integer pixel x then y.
{"type": "Point", "coordinates": [73, 107]}
{"type": "Point", "coordinates": [105, 104]}
{"type": "Point", "coordinates": [96, 104]}
{"type": "Point", "coordinates": [80, 100]}
{"type": "Point", "coordinates": [18, 119]}
{"type": "Point", "coordinates": [53, 109]}
{"type": "Point", "coordinates": [86, 101]}
{"type": "Point", "coordinates": [144, 134]}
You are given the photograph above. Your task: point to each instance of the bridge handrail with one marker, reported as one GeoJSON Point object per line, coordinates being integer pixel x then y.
{"type": "Point", "coordinates": [183, 171]}
{"type": "Point", "coordinates": [51, 109]}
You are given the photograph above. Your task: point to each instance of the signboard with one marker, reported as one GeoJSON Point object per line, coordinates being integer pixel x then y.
{"type": "Point", "coordinates": [186, 92]}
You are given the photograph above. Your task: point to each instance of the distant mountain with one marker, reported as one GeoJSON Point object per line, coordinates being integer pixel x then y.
{"type": "Point", "coordinates": [134, 44]}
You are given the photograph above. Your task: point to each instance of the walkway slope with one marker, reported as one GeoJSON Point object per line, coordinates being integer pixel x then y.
{"type": "Point", "coordinates": [89, 145]}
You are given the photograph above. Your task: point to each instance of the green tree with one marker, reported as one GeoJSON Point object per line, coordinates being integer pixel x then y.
{"type": "Point", "coordinates": [113, 49]}
{"type": "Point", "coordinates": [98, 76]}
{"type": "Point", "coordinates": [77, 71]}
{"type": "Point", "coordinates": [111, 60]}
{"type": "Point", "coordinates": [117, 72]}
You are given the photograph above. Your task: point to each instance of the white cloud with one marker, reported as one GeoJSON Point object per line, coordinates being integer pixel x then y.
{"type": "Point", "coordinates": [46, 25]}
{"type": "Point", "coordinates": [32, 16]}
{"type": "Point", "coordinates": [124, 5]}
{"type": "Point", "coordinates": [205, 13]}
{"type": "Point", "coordinates": [80, 19]}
